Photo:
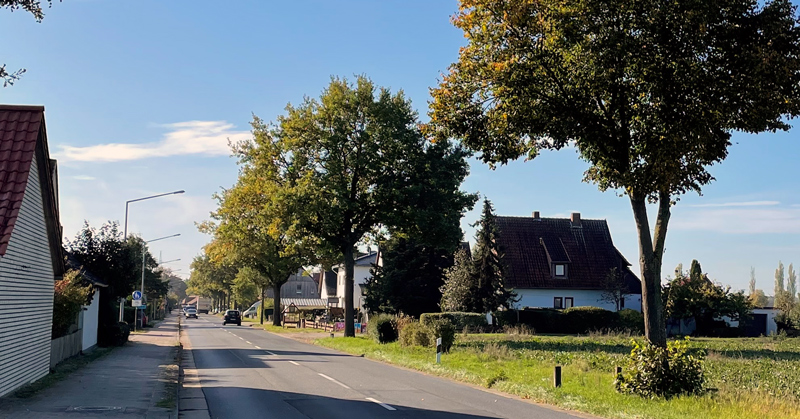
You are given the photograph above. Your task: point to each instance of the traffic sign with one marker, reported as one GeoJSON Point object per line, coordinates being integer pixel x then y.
{"type": "Point", "coordinates": [137, 295]}
{"type": "Point", "coordinates": [137, 303]}
{"type": "Point", "coordinates": [143, 306]}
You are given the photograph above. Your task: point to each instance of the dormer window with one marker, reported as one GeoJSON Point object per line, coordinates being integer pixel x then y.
{"type": "Point", "coordinates": [560, 270]}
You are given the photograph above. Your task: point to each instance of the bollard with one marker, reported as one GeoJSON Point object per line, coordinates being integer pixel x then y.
{"type": "Point", "coordinates": [438, 350]}
{"type": "Point", "coordinates": [557, 376]}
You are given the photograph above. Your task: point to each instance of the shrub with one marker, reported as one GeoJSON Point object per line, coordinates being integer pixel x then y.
{"type": "Point", "coordinates": [443, 328]}
{"type": "Point", "coordinates": [586, 319]}
{"type": "Point", "coordinates": [506, 318]}
{"type": "Point", "coordinates": [402, 321]}
{"type": "Point", "coordinates": [543, 320]}
{"type": "Point", "coordinates": [383, 328]}
{"type": "Point", "coordinates": [459, 320]}
{"type": "Point", "coordinates": [114, 334]}
{"type": "Point", "coordinates": [630, 320]}
{"type": "Point", "coordinates": [68, 298]}
{"type": "Point", "coordinates": [415, 334]}
{"type": "Point", "coordinates": [662, 372]}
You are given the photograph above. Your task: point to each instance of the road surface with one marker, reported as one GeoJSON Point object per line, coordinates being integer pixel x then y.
{"type": "Point", "coordinates": [248, 373]}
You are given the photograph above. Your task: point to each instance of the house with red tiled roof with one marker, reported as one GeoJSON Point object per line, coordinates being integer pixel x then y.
{"type": "Point", "coordinates": [563, 262]}
{"type": "Point", "coordinates": [31, 256]}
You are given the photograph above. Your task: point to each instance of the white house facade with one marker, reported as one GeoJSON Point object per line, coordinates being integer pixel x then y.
{"type": "Point", "coordinates": [361, 273]}
{"type": "Point", "coordinates": [30, 246]}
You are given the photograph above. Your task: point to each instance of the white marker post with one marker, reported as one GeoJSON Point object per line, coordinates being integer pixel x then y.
{"type": "Point", "coordinates": [438, 350]}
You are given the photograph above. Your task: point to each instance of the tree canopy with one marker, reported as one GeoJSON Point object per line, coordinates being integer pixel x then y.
{"type": "Point", "coordinates": [33, 7]}
{"type": "Point", "coordinates": [647, 91]}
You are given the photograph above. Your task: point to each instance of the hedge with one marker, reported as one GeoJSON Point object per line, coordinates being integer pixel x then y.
{"type": "Point", "coordinates": [575, 320]}
{"type": "Point", "coordinates": [460, 320]}
{"type": "Point", "coordinates": [383, 328]}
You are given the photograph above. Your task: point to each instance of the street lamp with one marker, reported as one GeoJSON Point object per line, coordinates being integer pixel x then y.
{"type": "Point", "coordinates": [169, 261]}
{"type": "Point", "coordinates": [125, 235]}
{"type": "Point", "coordinates": [144, 253]}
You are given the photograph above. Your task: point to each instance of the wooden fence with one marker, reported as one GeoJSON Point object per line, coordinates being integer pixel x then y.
{"type": "Point", "coordinates": [65, 347]}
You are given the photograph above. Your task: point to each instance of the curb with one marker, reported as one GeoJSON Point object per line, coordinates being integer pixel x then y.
{"type": "Point", "coordinates": [191, 399]}
{"type": "Point", "coordinates": [176, 411]}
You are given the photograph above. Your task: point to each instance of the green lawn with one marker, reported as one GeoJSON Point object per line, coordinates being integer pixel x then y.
{"type": "Point", "coordinates": [751, 378]}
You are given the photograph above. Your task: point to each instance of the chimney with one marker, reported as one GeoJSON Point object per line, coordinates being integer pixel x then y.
{"type": "Point", "coordinates": [576, 219]}
{"type": "Point", "coordinates": [536, 215]}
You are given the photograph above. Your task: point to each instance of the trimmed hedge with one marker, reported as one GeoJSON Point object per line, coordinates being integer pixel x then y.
{"type": "Point", "coordinates": [383, 328]}
{"type": "Point", "coordinates": [458, 319]}
{"type": "Point", "coordinates": [575, 320]}
{"type": "Point", "coordinates": [443, 328]}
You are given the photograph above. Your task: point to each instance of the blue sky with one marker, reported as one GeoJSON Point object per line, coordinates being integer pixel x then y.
{"type": "Point", "coordinates": [142, 96]}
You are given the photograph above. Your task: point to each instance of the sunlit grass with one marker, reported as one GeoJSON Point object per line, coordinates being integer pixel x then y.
{"type": "Point", "coordinates": [751, 378]}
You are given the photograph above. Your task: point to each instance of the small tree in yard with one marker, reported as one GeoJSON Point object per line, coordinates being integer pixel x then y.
{"type": "Point", "coordinates": [457, 291]}
{"type": "Point", "coordinates": [70, 296]}
{"type": "Point", "coordinates": [614, 288]}
{"type": "Point", "coordinates": [647, 91]}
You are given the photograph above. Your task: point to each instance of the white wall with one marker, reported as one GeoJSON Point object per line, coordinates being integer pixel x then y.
{"type": "Point", "coordinates": [544, 298]}
{"type": "Point", "coordinates": [26, 294]}
{"type": "Point", "coordinates": [772, 327]}
{"type": "Point", "coordinates": [90, 321]}
{"type": "Point", "coordinates": [360, 276]}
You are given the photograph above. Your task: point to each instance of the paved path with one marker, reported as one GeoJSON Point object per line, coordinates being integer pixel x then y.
{"type": "Point", "coordinates": [123, 384]}
{"type": "Point", "coordinates": [247, 373]}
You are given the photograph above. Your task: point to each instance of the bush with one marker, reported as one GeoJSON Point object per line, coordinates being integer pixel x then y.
{"type": "Point", "coordinates": [443, 328]}
{"type": "Point", "coordinates": [383, 328]}
{"type": "Point", "coordinates": [506, 318]}
{"type": "Point", "coordinates": [586, 319]}
{"type": "Point", "coordinates": [415, 334]}
{"type": "Point", "coordinates": [543, 320]}
{"type": "Point", "coordinates": [459, 320]}
{"type": "Point", "coordinates": [115, 334]}
{"type": "Point", "coordinates": [659, 372]}
{"type": "Point", "coordinates": [631, 321]}
{"type": "Point", "coordinates": [401, 321]}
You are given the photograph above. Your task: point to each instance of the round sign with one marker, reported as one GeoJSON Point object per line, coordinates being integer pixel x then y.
{"type": "Point", "coordinates": [137, 295]}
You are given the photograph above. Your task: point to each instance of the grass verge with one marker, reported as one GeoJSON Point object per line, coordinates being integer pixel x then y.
{"type": "Point", "coordinates": [277, 329]}
{"type": "Point", "coordinates": [62, 371]}
{"type": "Point", "coordinates": [753, 378]}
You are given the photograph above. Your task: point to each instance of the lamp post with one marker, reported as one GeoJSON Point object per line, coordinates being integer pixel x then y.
{"type": "Point", "coordinates": [125, 234]}
{"type": "Point", "coordinates": [143, 260]}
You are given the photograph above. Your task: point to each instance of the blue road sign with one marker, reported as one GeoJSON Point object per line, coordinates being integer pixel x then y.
{"type": "Point", "coordinates": [137, 295]}
{"type": "Point", "coordinates": [143, 306]}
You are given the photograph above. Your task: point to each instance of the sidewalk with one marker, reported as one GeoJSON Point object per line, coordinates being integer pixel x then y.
{"type": "Point", "coordinates": [127, 383]}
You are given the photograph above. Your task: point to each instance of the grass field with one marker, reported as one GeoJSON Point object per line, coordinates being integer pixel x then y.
{"type": "Point", "coordinates": [750, 377]}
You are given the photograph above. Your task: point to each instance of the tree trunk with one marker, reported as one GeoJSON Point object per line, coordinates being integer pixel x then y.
{"type": "Point", "coordinates": [276, 310]}
{"type": "Point", "coordinates": [263, 306]}
{"type": "Point", "coordinates": [349, 313]}
{"type": "Point", "coordinates": [651, 251]}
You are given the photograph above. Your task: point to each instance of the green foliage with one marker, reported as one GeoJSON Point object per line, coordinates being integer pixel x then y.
{"type": "Point", "coordinates": [409, 280]}
{"type": "Point", "coordinates": [631, 321]}
{"type": "Point", "coordinates": [416, 334]}
{"type": "Point", "coordinates": [382, 328]}
{"type": "Point", "coordinates": [696, 297]}
{"type": "Point", "coordinates": [653, 371]}
{"type": "Point", "coordinates": [69, 297]}
{"type": "Point", "coordinates": [245, 288]}
{"type": "Point", "coordinates": [586, 319]}
{"type": "Point", "coordinates": [460, 320]}
{"type": "Point", "coordinates": [118, 334]}
{"type": "Point", "coordinates": [477, 284]}
{"type": "Point", "coordinates": [648, 107]}
{"type": "Point", "coordinates": [443, 328]}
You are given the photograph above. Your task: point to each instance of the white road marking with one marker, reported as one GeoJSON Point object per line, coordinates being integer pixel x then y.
{"type": "Point", "coordinates": [383, 405]}
{"type": "Point", "coordinates": [240, 337]}
{"type": "Point", "coordinates": [258, 347]}
{"type": "Point", "coordinates": [248, 342]}
{"type": "Point", "coordinates": [334, 380]}
{"type": "Point", "coordinates": [294, 363]}
{"type": "Point", "coordinates": [270, 353]}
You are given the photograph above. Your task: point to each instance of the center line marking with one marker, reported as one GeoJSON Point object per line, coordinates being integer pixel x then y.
{"type": "Point", "coordinates": [248, 341]}
{"type": "Point", "coordinates": [258, 347]}
{"type": "Point", "coordinates": [383, 405]}
{"type": "Point", "coordinates": [294, 363]}
{"type": "Point", "coordinates": [336, 381]}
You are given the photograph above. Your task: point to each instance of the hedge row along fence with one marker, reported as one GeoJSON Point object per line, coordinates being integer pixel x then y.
{"type": "Point", "coordinates": [575, 320]}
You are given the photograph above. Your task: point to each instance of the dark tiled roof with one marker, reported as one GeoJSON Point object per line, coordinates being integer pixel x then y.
{"type": "Point", "coordinates": [366, 259]}
{"type": "Point", "coordinates": [19, 130]}
{"type": "Point", "coordinates": [587, 251]}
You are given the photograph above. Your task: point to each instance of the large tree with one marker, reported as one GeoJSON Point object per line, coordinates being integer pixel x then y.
{"type": "Point", "coordinates": [211, 278]}
{"type": "Point", "coordinates": [365, 168]}
{"type": "Point", "coordinates": [647, 91]}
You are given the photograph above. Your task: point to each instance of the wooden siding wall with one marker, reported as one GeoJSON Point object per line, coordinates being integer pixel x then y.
{"type": "Point", "coordinates": [26, 294]}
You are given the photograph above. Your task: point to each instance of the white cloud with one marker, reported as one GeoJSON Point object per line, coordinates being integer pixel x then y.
{"type": "Point", "coordinates": [740, 220]}
{"type": "Point", "coordinates": [84, 177]}
{"type": "Point", "coordinates": [192, 137]}
{"type": "Point", "coordinates": [738, 204]}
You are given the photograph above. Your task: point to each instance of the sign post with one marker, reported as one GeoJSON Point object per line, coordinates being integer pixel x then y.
{"type": "Point", "coordinates": [438, 350]}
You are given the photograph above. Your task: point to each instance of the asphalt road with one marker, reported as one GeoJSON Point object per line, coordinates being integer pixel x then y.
{"type": "Point", "coordinates": [248, 373]}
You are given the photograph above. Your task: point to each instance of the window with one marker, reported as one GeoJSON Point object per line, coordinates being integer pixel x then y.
{"type": "Point", "coordinates": [299, 288]}
{"type": "Point", "coordinates": [558, 302]}
{"type": "Point", "coordinates": [569, 302]}
{"type": "Point", "coordinates": [561, 270]}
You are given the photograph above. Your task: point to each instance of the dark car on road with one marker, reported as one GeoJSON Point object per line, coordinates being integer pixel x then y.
{"type": "Point", "coordinates": [232, 316]}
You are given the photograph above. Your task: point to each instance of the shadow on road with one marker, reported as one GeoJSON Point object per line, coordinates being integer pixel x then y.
{"type": "Point", "coordinates": [238, 402]}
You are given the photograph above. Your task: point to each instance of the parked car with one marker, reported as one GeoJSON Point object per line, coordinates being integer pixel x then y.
{"type": "Point", "coordinates": [190, 312]}
{"type": "Point", "coordinates": [232, 316]}
{"type": "Point", "coordinates": [252, 311]}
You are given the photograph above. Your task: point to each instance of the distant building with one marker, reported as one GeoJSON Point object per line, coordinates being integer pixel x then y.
{"type": "Point", "coordinates": [298, 286]}
{"type": "Point", "coordinates": [31, 256]}
{"type": "Point", "coordinates": [562, 262]}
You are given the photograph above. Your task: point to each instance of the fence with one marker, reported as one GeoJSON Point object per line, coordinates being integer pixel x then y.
{"type": "Point", "coordinates": [65, 347]}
